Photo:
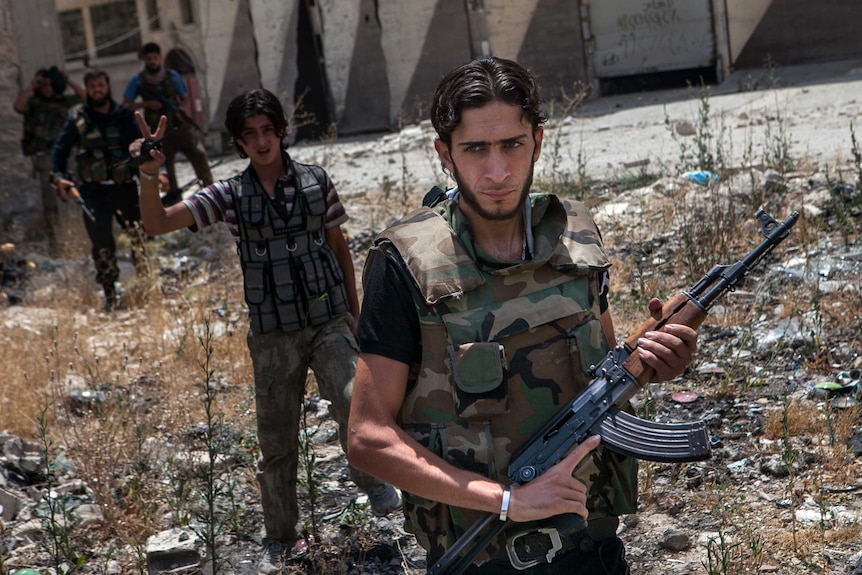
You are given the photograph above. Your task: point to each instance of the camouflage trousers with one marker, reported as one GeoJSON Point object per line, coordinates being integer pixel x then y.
{"type": "Point", "coordinates": [186, 140]}
{"type": "Point", "coordinates": [281, 361]}
{"type": "Point", "coordinates": [50, 207]}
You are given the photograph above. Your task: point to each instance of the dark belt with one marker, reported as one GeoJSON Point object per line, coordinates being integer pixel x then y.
{"type": "Point", "coordinates": [544, 544]}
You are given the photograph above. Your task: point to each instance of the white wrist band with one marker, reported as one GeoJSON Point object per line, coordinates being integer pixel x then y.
{"type": "Point", "coordinates": [504, 507]}
{"type": "Point", "coordinates": [150, 177]}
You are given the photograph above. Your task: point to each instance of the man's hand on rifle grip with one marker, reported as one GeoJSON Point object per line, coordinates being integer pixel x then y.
{"type": "Point", "coordinates": [63, 187]}
{"type": "Point", "coordinates": [556, 491]}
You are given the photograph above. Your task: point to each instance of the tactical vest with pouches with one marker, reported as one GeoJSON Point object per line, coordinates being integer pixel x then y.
{"type": "Point", "coordinates": [101, 156]}
{"type": "Point", "coordinates": [292, 278]}
{"type": "Point", "coordinates": [165, 92]}
{"type": "Point", "coordinates": [43, 120]}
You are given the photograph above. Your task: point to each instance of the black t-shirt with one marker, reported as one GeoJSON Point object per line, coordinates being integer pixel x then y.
{"type": "Point", "coordinates": [392, 328]}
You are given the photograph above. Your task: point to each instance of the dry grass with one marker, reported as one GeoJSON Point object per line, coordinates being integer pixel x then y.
{"type": "Point", "coordinates": [146, 361]}
{"type": "Point", "coordinates": [144, 365]}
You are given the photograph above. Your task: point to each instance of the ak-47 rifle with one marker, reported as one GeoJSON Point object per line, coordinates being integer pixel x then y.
{"type": "Point", "coordinates": [597, 410]}
{"type": "Point", "coordinates": [197, 180]}
{"type": "Point", "coordinates": [73, 192]}
{"type": "Point", "coordinates": [76, 195]}
{"type": "Point", "coordinates": [173, 107]}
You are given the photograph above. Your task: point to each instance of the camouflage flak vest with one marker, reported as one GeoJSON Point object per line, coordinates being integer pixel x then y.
{"type": "Point", "coordinates": [101, 156]}
{"type": "Point", "coordinates": [502, 349]}
{"type": "Point", "coordinates": [292, 278]}
{"type": "Point", "coordinates": [43, 121]}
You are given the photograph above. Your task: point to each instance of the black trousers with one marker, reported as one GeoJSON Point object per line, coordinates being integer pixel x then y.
{"type": "Point", "coordinates": [110, 202]}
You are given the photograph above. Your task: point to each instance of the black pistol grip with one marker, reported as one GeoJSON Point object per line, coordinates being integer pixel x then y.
{"type": "Point", "coordinates": [146, 147]}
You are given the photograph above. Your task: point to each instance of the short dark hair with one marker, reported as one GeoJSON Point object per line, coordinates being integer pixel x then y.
{"type": "Point", "coordinates": [479, 82]}
{"type": "Point", "coordinates": [249, 104]}
{"type": "Point", "coordinates": [58, 80]}
{"type": "Point", "coordinates": [94, 73]}
{"type": "Point", "coordinates": [150, 48]}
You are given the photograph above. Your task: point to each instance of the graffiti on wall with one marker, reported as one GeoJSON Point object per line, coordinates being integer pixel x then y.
{"type": "Point", "coordinates": [635, 37]}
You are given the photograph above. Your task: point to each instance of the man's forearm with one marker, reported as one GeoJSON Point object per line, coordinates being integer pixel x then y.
{"type": "Point", "coordinates": [152, 210]}
{"type": "Point", "coordinates": [378, 445]}
{"type": "Point", "coordinates": [399, 459]}
{"type": "Point", "coordinates": [20, 104]}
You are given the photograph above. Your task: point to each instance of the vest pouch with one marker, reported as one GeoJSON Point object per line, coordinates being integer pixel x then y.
{"type": "Point", "coordinates": [313, 274]}
{"type": "Point", "coordinates": [121, 172]}
{"type": "Point", "coordinates": [92, 166]}
{"type": "Point", "coordinates": [28, 142]}
{"type": "Point", "coordinates": [283, 281]}
{"type": "Point", "coordinates": [478, 371]}
{"type": "Point", "coordinates": [254, 280]}
{"type": "Point", "coordinates": [334, 273]}
{"type": "Point", "coordinates": [470, 446]}
{"type": "Point", "coordinates": [315, 201]}
{"type": "Point", "coordinates": [251, 209]}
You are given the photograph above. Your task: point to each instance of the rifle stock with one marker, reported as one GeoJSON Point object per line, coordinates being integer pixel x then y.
{"type": "Point", "coordinates": [598, 409]}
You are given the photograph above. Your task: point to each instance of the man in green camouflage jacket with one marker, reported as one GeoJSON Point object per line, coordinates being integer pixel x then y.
{"type": "Point", "coordinates": [45, 105]}
{"type": "Point", "coordinates": [481, 316]}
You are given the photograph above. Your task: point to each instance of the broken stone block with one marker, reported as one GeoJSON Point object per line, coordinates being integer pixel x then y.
{"type": "Point", "coordinates": [177, 552]}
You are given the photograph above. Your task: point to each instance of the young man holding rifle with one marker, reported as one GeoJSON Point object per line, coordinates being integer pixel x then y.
{"type": "Point", "coordinates": [159, 91]}
{"type": "Point", "coordinates": [480, 318]}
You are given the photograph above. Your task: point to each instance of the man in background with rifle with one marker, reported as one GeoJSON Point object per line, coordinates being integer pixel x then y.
{"type": "Point", "coordinates": [102, 130]}
{"type": "Point", "coordinates": [481, 316]}
{"type": "Point", "coordinates": [160, 91]}
{"type": "Point", "coordinates": [45, 106]}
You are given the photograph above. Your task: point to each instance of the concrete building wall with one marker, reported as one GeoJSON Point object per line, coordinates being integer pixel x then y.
{"type": "Point", "coordinates": [383, 69]}
{"type": "Point", "coordinates": [227, 38]}
{"type": "Point", "coordinates": [421, 41]}
{"type": "Point", "coordinates": [274, 27]}
{"type": "Point", "coordinates": [376, 63]}
{"type": "Point", "coordinates": [356, 65]}
{"type": "Point", "coordinates": [799, 31]}
{"type": "Point", "coordinates": [743, 18]}
{"type": "Point", "coordinates": [35, 26]}
{"type": "Point", "coordinates": [545, 36]}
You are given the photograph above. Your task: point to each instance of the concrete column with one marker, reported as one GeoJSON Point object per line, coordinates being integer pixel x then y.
{"type": "Point", "coordinates": [477, 24]}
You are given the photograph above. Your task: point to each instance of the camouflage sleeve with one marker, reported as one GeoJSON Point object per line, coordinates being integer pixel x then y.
{"type": "Point", "coordinates": [388, 322]}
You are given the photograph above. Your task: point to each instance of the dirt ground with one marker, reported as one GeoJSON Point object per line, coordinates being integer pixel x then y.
{"type": "Point", "coordinates": [762, 503]}
{"type": "Point", "coordinates": [811, 110]}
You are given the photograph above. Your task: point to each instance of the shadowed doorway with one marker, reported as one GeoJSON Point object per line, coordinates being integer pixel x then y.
{"type": "Point", "coordinates": [311, 92]}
